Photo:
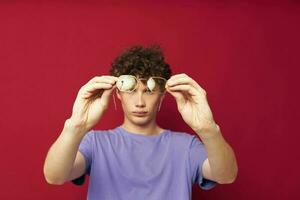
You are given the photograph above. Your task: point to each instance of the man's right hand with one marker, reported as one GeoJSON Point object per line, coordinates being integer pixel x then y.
{"type": "Point", "coordinates": [91, 102]}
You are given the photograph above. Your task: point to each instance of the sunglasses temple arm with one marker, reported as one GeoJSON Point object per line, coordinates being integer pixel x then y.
{"type": "Point", "coordinates": [114, 102]}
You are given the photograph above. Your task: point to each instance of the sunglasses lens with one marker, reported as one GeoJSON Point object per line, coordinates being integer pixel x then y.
{"type": "Point", "coordinates": [126, 83]}
{"type": "Point", "coordinates": [156, 84]}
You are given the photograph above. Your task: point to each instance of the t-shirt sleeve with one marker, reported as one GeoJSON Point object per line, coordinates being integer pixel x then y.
{"type": "Point", "coordinates": [86, 148]}
{"type": "Point", "coordinates": [197, 156]}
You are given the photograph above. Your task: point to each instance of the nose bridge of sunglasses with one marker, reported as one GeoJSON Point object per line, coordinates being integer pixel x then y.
{"type": "Point", "coordinates": [142, 82]}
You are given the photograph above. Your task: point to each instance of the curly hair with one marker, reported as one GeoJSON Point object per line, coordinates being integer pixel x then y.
{"type": "Point", "coordinates": [142, 62]}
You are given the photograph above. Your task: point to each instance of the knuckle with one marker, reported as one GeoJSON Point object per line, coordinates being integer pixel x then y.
{"type": "Point", "coordinates": [95, 78]}
{"type": "Point", "coordinates": [82, 88]}
{"type": "Point", "coordinates": [91, 80]}
{"type": "Point", "coordinates": [81, 91]}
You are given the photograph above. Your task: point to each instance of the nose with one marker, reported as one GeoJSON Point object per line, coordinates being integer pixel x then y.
{"type": "Point", "coordinates": [140, 101]}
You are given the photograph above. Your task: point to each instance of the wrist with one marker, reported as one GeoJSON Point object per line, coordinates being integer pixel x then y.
{"type": "Point", "coordinates": [208, 131]}
{"type": "Point", "coordinates": [74, 128]}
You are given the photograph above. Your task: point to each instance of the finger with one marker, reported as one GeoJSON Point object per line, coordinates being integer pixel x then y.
{"type": "Point", "coordinates": [176, 76]}
{"type": "Point", "coordinates": [96, 86]}
{"type": "Point", "coordinates": [106, 76]}
{"type": "Point", "coordinates": [183, 79]}
{"type": "Point", "coordinates": [104, 100]}
{"type": "Point", "coordinates": [184, 88]}
{"type": "Point", "coordinates": [108, 79]}
{"type": "Point", "coordinates": [106, 94]}
{"type": "Point", "coordinates": [103, 80]}
{"type": "Point", "coordinates": [98, 92]}
{"type": "Point", "coordinates": [179, 97]}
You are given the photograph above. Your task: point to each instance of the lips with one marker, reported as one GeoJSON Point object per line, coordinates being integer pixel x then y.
{"type": "Point", "coordinates": [140, 113]}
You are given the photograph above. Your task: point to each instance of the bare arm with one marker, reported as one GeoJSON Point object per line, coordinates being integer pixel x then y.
{"type": "Point", "coordinates": [61, 156]}
{"type": "Point", "coordinates": [221, 165]}
{"type": "Point", "coordinates": [193, 106]}
{"type": "Point", "coordinates": [63, 161]}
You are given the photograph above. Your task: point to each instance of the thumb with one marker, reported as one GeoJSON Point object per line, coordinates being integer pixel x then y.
{"type": "Point", "coordinates": [106, 94]}
{"type": "Point", "coordinates": [178, 97]}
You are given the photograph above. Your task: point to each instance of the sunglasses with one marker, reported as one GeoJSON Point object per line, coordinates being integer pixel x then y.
{"type": "Point", "coordinates": [128, 83]}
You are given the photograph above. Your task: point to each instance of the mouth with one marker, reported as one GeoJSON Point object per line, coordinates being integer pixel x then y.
{"type": "Point", "coordinates": [140, 113]}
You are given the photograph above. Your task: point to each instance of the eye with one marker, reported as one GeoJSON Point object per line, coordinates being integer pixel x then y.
{"type": "Point", "coordinates": [148, 91]}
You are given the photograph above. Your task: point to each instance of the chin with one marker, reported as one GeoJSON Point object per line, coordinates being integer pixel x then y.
{"type": "Point", "coordinates": [140, 120]}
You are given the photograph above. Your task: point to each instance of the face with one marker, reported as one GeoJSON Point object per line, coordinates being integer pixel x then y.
{"type": "Point", "coordinates": [141, 105]}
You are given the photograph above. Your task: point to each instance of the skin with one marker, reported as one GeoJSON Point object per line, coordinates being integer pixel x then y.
{"type": "Point", "coordinates": [91, 102]}
{"type": "Point", "coordinates": [141, 100]}
{"type": "Point", "coordinates": [192, 104]}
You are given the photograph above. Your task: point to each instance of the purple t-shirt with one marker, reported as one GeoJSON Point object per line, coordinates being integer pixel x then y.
{"type": "Point", "coordinates": [126, 165]}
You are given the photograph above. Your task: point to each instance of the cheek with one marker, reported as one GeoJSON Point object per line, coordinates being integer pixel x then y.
{"type": "Point", "coordinates": [126, 102]}
{"type": "Point", "coordinates": [154, 102]}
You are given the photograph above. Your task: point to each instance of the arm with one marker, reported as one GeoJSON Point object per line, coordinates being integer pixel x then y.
{"type": "Point", "coordinates": [193, 106]}
{"type": "Point", "coordinates": [63, 155]}
{"type": "Point", "coordinates": [63, 161]}
{"type": "Point", "coordinates": [221, 165]}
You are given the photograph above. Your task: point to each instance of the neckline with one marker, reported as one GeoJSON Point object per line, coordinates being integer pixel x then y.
{"type": "Point", "coordinates": [132, 134]}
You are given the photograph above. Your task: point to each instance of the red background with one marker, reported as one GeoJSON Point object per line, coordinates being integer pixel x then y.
{"type": "Point", "coordinates": [244, 54]}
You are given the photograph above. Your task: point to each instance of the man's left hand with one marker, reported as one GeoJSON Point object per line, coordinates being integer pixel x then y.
{"type": "Point", "coordinates": [191, 101]}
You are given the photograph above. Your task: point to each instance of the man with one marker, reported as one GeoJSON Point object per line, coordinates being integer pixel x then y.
{"type": "Point", "coordinates": [139, 159]}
